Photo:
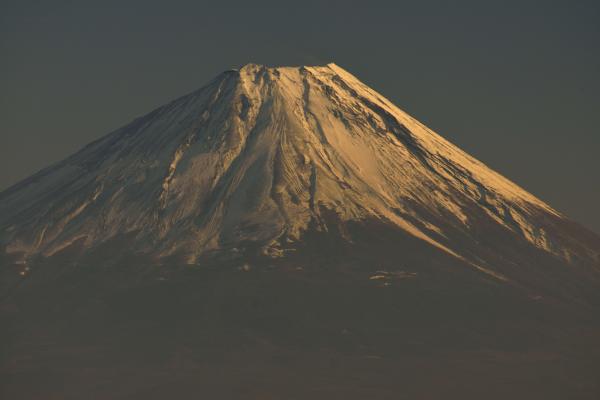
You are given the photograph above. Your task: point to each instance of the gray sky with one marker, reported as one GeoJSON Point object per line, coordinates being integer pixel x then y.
{"type": "Point", "coordinates": [514, 83]}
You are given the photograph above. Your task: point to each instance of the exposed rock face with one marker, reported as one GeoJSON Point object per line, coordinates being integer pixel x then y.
{"type": "Point", "coordinates": [257, 156]}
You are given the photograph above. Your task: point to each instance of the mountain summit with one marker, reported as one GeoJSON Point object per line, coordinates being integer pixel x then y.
{"type": "Point", "coordinates": [260, 156]}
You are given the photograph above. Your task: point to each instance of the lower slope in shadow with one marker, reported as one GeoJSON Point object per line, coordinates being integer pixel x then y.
{"type": "Point", "coordinates": [362, 311]}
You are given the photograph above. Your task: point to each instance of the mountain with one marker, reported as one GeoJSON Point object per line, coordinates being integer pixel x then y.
{"type": "Point", "coordinates": [277, 207]}
{"type": "Point", "coordinates": [258, 156]}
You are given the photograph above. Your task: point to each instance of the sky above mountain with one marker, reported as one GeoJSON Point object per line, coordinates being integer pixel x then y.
{"type": "Point", "coordinates": [513, 83]}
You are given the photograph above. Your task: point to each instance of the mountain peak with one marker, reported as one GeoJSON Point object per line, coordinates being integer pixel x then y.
{"type": "Point", "coordinates": [255, 67]}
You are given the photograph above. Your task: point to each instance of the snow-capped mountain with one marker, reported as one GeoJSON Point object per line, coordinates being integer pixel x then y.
{"type": "Point", "coordinates": [289, 233]}
{"type": "Point", "coordinates": [258, 157]}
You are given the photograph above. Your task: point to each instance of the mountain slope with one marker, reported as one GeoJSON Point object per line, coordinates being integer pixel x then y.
{"type": "Point", "coordinates": [256, 157]}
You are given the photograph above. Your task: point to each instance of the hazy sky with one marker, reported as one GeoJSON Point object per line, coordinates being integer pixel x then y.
{"type": "Point", "coordinates": [515, 83]}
